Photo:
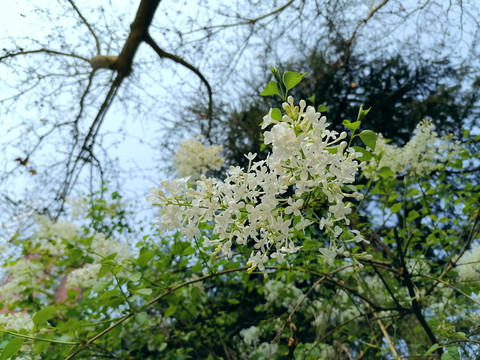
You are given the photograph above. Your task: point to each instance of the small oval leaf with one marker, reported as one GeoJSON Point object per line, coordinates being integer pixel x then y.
{"type": "Point", "coordinates": [369, 138]}
{"type": "Point", "coordinates": [270, 89]}
{"type": "Point", "coordinates": [290, 79]}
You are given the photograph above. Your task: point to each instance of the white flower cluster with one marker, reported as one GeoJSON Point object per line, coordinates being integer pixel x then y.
{"type": "Point", "coordinates": [83, 277]}
{"type": "Point", "coordinates": [194, 159]}
{"type": "Point", "coordinates": [327, 312]}
{"type": "Point", "coordinates": [251, 336]}
{"type": "Point", "coordinates": [256, 207]}
{"type": "Point", "coordinates": [48, 238]}
{"type": "Point", "coordinates": [265, 351]}
{"type": "Point", "coordinates": [287, 295]}
{"type": "Point", "coordinates": [418, 266]}
{"type": "Point", "coordinates": [78, 207]}
{"type": "Point", "coordinates": [16, 321]}
{"type": "Point", "coordinates": [423, 154]}
{"type": "Point", "coordinates": [444, 302]}
{"type": "Point", "coordinates": [374, 288]}
{"type": "Point", "coordinates": [102, 246]}
{"type": "Point", "coordinates": [20, 276]}
{"type": "Point", "coordinates": [468, 267]}
{"type": "Point", "coordinates": [250, 347]}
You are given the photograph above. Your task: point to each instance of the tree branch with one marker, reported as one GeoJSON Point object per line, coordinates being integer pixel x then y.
{"type": "Point", "coordinates": [138, 31]}
{"type": "Point", "coordinates": [384, 331]}
{"type": "Point", "coordinates": [364, 21]}
{"type": "Point", "coordinates": [86, 150]}
{"type": "Point", "coordinates": [163, 54]}
{"type": "Point", "coordinates": [97, 42]}
{"type": "Point", "coordinates": [246, 22]}
{"type": "Point", "coordinates": [42, 51]}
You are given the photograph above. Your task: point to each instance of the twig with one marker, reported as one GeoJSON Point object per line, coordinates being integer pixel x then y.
{"type": "Point", "coordinates": [42, 51]}
{"type": "Point", "coordinates": [97, 42]}
{"type": "Point", "coordinates": [364, 21]}
{"type": "Point", "coordinates": [164, 54]}
{"type": "Point", "coordinates": [246, 22]}
{"type": "Point", "coordinates": [390, 343]}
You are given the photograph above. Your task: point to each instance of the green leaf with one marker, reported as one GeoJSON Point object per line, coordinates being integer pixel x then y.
{"type": "Point", "coordinates": [351, 126]}
{"type": "Point", "coordinates": [144, 291]}
{"type": "Point", "coordinates": [310, 244]}
{"type": "Point", "coordinates": [188, 251]}
{"type": "Point", "coordinates": [109, 259]}
{"type": "Point", "coordinates": [178, 247]}
{"type": "Point", "coordinates": [270, 89]}
{"type": "Point", "coordinates": [12, 348]}
{"type": "Point", "coordinates": [290, 79]}
{"type": "Point", "coordinates": [412, 215]}
{"type": "Point", "coordinates": [170, 311]}
{"type": "Point", "coordinates": [276, 114]}
{"type": "Point", "coordinates": [432, 349]}
{"type": "Point", "coordinates": [197, 267]}
{"type": "Point", "coordinates": [322, 108]}
{"type": "Point", "coordinates": [105, 269]}
{"type": "Point", "coordinates": [141, 317]}
{"type": "Point", "coordinates": [366, 155]}
{"type": "Point", "coordinates": [312, 99]}
{"type": "Point", "coordinates": [369, 138]}
{"type": "Point", "coordinates": [393, 196]}
{"type": "Point", "coordinates": [385, 172]}
{"type": "Point", "coordinates": [457, 164]}
{"type": "Point", "coordinates": [413, 192]}
{"type": "Point", "coordinates": [362, 113]}
{"type": "Point", "coordinates": [99, 286]}
{"type": "Point", "coordinates": [109, 294]}
{"type": "Point", "coordinates": [395, 208]}
{"type": "Point", "coordinates": [135, 276]}
{"type": "Point", "coordinates": [75, 254]}
{"type": "Point", "coordinates": [145, 256]}
{"type": "Point", "coordinates": [44, 315]}
{"type": "Point", "coordinates": [451, 354]}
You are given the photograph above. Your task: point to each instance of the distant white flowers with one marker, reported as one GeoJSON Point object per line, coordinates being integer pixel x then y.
{"type": "Point", "coordinates": [468, 267]}
{"type": "Point", "coordinates": [83, 277]}
{"type": "Point", "coordinates": [194, 159]}
{"type": "Point", "coordinates": [100, 248]}
{"type": "Point", "coordinates": [50, 242]}
{"type": "Point", "coordinates": [21, 275]}
{"type": "Point", "coordinates": [16, 321]}
{"type": "Point", "coordinates": [424, 153]}
{"type": "Point", "coordinates": [262, 207]}
{"type": "Point", "coordinates": [250, 335]}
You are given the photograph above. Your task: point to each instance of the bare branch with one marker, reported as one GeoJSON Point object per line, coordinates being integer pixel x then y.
{"type": "Point", "coordinates": [364, 21]}
{"type": "Point", "coordinates": [246, 22]}
{"type": "Point", "coordinates": [97, 42]}
{"type": "Point", "coordinates": [42, 51]}
{"type": "Point", "coordinates": [384, 331]}
{"type": "Point", "coordinates": [164, 54]}
{"type": "Point", "coordinates": [86, 150]}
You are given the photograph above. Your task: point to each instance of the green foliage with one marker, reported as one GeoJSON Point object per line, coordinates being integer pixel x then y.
{"type": "Point", "coordinates": [282, 84]}
{"type": "Point", "coordinates": [12, 348]}
{"type": "Point", "coordinates": [165, 297]}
